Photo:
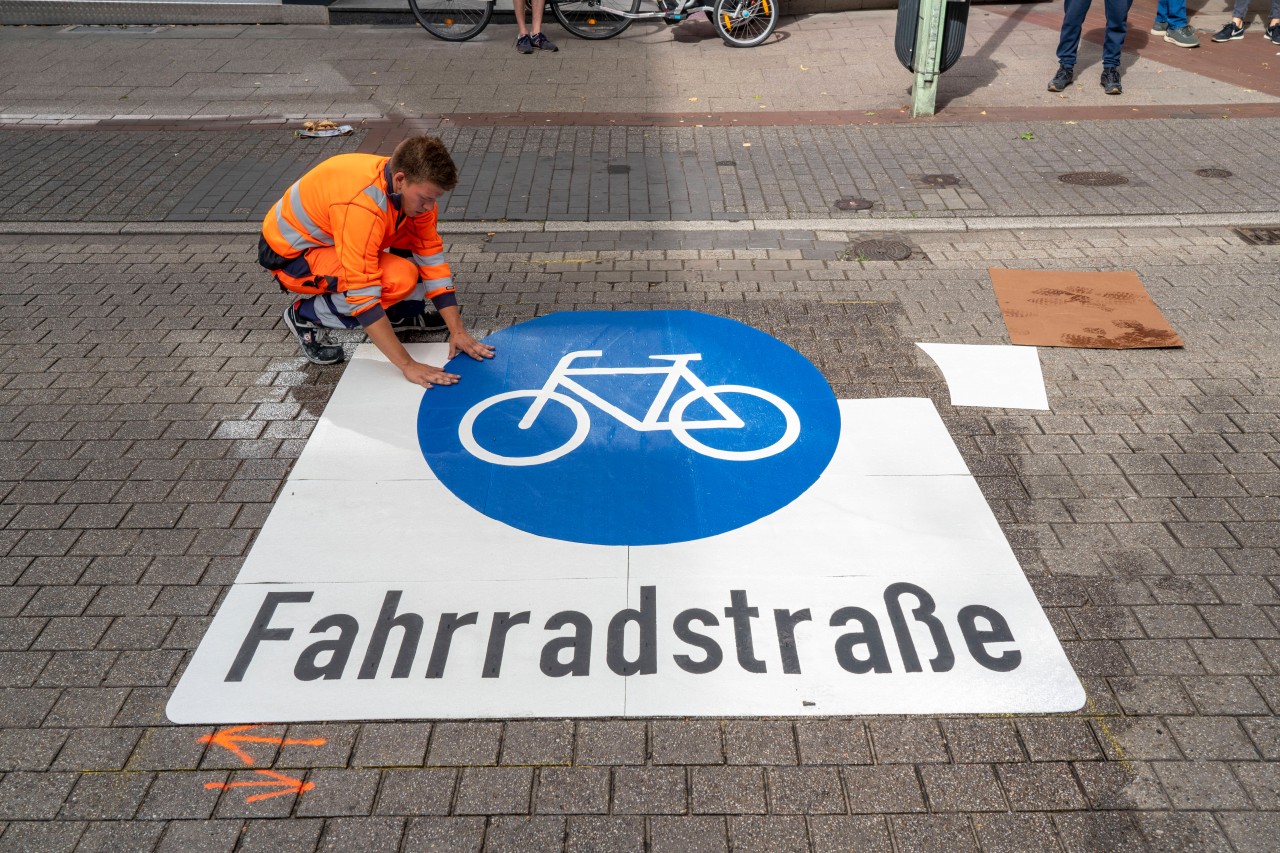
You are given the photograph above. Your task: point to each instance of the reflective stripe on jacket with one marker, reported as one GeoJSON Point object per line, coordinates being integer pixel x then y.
{"type": "Point", "coordinates": [345, 202]}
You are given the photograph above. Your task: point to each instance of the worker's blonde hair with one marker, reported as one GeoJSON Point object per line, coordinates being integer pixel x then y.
{"type": "Point", "coordinates": [424, 158]}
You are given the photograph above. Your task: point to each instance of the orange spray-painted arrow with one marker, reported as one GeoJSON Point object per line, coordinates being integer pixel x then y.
{"type": "Point", "coordinates": [227, 739]}
{"type": "Point", "coordinates": [287, 785]}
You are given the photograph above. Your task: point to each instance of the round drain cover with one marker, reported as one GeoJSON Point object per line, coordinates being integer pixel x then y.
{"type": "Point", "coordinates": [1094, 179]}
{"type": "Point", "coordinates": [881, 250]}
{"type": "Point", "coordinates": [852, 204]}
{"type": "Point", "coordinates": [1213, 173]}
{"type": "Point", "coordinates": [940, 180]}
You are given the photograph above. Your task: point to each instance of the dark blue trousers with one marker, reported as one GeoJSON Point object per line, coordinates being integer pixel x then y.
{"type": "Point", "coordinates": [1073, 20]}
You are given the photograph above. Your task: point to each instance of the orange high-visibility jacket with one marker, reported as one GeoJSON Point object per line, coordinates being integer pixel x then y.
{"type": "Point", "coordinates": [346, 202]}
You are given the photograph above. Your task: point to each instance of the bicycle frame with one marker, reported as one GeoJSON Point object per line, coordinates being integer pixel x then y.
{"type": "Point", "coordinates": [679, 369]}
{"type": "Point", "coordinates": [693, 6]}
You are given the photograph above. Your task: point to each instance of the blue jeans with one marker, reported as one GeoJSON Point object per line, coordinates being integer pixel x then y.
{"type": "Point", "coordinates": [1073, 20]}
{"type": "Point", "coordinates": [1172, 12]}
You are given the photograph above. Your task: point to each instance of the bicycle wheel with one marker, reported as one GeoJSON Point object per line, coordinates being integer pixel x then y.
{"type": "Point", "coordinates": [745, 23]}
{"type": "Point", "coordinates": [594, 19]}
{"type": "Point", "coordinates": [452, 20]}
{"type": "Point", "coordinates": [466, 429]}
{"type": "Point", "coordinates": [790, 432]}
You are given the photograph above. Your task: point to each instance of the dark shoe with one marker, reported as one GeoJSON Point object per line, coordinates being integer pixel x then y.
{"type": "Point", "coordinates": [310, 339]}
{"type": "Point", "coordinates": [427, 321]}
{"type": "Point", "coordinates": [1230, 32]}
{"type": "Point", "coordinates": [1062, 79]}
{"type": "Point", "coordinates": [1273, 33]}
{"type": "Point", "coordinates": [1111, 81]}
{"type": "Point", "coordinates": [1182, 37]}
{"type": "Point", "coordinates": [524, 44]}
{"type": "Point", "coordinates": [1159, 28]}
{"type": "Point", "coordinates": [541, 42]}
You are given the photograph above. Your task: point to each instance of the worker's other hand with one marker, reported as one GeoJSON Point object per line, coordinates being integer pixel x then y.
{"type": "Point", "coordinates": [463, 342]}
{"type": "Point", "coordinates": [426, 375]}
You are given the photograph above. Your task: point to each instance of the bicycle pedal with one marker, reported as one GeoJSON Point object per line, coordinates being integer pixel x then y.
{"type": "Point", "coordinates": [672, 19]}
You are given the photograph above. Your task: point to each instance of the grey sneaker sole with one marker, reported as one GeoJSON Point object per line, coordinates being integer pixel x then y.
{"type": "Point", "coordinates": [303, 345]}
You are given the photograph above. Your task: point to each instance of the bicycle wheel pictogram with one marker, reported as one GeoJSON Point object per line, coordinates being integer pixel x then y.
{"type": "Point", "coordinates": [630, 428]}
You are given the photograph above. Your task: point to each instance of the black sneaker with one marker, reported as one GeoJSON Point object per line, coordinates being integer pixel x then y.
{"type": "Point", "coordinates": [427, 321]}
{"type": "Point", "coordinates": [1062, 79]}
{"type": "Point", "coordinates": [1230, 32]}
{"type": "Point", "coordinates": [541, 42]}
{"type": "Point", "coordinates": [1111, 81]}
{"type": "Point", "coordinates": [1273, 32]}
{"type": "Point", "coordinates": [524, 44]}
{"type": "Point", "coordinates": [310, 339]}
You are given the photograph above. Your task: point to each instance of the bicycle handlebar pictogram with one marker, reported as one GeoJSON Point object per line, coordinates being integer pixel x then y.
{"type": "Point", "coordinates": [561, 381]}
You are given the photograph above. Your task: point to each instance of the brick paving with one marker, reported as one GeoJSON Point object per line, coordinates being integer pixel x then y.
{"type": "Point", "coordinates": [148, 426]}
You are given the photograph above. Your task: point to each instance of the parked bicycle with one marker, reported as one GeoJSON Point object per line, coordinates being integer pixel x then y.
{"type": "Point", "coordinates": [675, 422]}
{"type": "Point", "coordinates": [740, 23]}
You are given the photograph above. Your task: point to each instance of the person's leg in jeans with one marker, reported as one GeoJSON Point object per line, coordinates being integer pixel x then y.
{"type": "Point", "coordinates": [1161, 25]}
{"type": "Point", "coordinates": [1073, 13]}
{"type": "Point", "coordinates": [1175, 13]}
{"type": "Point", "coordinates": [1117, 25]}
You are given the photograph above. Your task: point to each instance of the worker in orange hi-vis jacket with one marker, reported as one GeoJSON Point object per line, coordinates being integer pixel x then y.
{"type": "Point", "coordinates": [356, 238]}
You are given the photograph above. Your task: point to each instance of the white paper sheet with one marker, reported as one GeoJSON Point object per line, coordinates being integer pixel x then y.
{"type": "Point", "coordinates": [997, 376]}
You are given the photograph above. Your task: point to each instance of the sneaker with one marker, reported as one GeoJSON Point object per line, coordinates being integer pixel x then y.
{"type": "Point", "coordinates": [524, 44]}
{"type": "Point", "coordinates": [1273, 32]}
{"type": "Point", "coordinates": [541, 42]}
{"type": "Point", "coordinates": [427, 321]}
{"type": "Point", "coordinates": [1230, 32]}
{"type": "Point", "coordinates": [1111, 81]}
{"type": "Point", "coordinates": [310, 338]}
{"type": "Point", "coordinates": [1062, 79]}
{"type": "Point", "coordinates": [1182, 37]}
{"type": "Point", "coordinates": [1159, 28]}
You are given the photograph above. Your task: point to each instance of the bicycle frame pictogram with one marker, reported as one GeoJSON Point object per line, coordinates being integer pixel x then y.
{"type": "Point", "coordinates": [561, 379]}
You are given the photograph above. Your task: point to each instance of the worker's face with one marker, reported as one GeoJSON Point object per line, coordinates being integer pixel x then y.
{"type": "Point", "coordinates": [416, 198]}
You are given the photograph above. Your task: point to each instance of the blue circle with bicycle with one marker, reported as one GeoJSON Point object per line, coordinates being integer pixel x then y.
{"type": "Point", "coordinates": [630, 428]}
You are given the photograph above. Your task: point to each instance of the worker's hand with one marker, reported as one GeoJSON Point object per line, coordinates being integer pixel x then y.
{"type": "Point", "coordinates": [426, 375]}
{"type": "Point", "coordinates": [463, 342]}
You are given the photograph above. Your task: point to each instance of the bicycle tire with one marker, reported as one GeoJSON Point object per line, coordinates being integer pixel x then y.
{"type": "Point", "coordinates": [590, 19]}
{"type": "Point", "coordinates": [789, 435]}
{"type": "Point", "coordinates": [467, 437]}
{"type": "Point", "coordinates": [745, 23]}
{"type": "Point", "coordinates": [452, 20]}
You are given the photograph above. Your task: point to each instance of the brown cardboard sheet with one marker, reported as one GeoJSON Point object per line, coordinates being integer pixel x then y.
{"type": "Point", "coordinates": [1097, 310]}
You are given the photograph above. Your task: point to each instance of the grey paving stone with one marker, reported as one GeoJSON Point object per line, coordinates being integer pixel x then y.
{"type": "Point", "coordinates": [391, 745]}
{"type": "Point", "coordinates": [907, 741]}
{"type": "Point", "coordinates": [34, 796]}
{"type": "Point", "coordinates": [962, 788]}
{"type": "Point", "coordinates": [29, 749]}
{"type": "Point", "coordinates": [111, 836]}
{"type": "Point", "coordinates": [610, 742]}
{"type": "Point", "coordinates": [464, 744]}
{"type": "Point", "coordinates": [181, 796]}
{"type": "Point", "coordinates": [1015, 833]}
{"type": "Point", "coordinates": [538, 742]}
{"type": "Point", "coordinates": [805, 790]}
{"type": "Point", "coordinates": [982, 741]}
{"type": "Point", "coordinates": [416, 792]}
{"type": "Point", "coordinates": [372, 834]}
{"type": "Point", "coordinates": [830, 833]}
{"type": "Point", "coordinates": [445, 834]}
{"type": "Point", "coordinates": [606, 834]}
{"type": "Point", "coordinates": [770, 834]}
{"type": "Point", "coordinates": [727, 790]}
{"type": "Point", "coordinates": [494, 790]}
{"type": "Point", "coordinates": [932, 833]}
{"type": "Point", "coordinates": [1040, 787]}
{"type": "Point", "coordinates": [650, 790]}
{"type": "Point", "coordinates": [26, 836]}
{"type": "Point", "coordinates": [832, 742]}
{"type": "Point", "coordinates": [1200, 785]}
{"type": "Point", "coordinates": [883, 790]}
{"type": "Point", "coordinates": [200, 836]}
{"type": "Point", "coordinates": [685, 742]}
{"type": "Point", "coordinates": [1169, 832]}
{"type": "Point", "coordinates": [572, 790]}
{"type": "Point", "coordinates": [261, 836]}
{"type": "Point", "coordinates": [339, 793]}
{"type": "Point", "coordinates": [106, 796]}
{"type": "Point", "coordinates": [519, 834]}
{"type": "Point", "coordinates": [1129, 785]}
{"type": "Point", "coordinates": [759, 742]}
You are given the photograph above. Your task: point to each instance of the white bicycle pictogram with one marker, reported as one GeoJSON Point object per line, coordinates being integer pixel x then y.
{"type": "Point", "coordinates": [561, 380]}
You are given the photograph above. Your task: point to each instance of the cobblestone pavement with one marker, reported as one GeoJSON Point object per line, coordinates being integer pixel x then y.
{"type": "Point", "coordinates": [637, 173]}
{"type": "Point", "coordinates": [150, 407]}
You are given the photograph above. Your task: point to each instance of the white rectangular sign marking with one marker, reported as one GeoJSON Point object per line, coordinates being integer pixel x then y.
{"type": "Point", "coordinates": [887, 588]}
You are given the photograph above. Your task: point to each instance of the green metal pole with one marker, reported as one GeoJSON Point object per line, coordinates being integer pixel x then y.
{"type": "Point", "coordinates": [928, 56]}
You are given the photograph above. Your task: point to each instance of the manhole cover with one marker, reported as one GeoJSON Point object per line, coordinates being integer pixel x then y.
{"type": "Point", "coordinates": [880, 250]}
{"type": "Point", "coordinates": [1260, 236]}
{"type": "Point", "coordinates": [1213, 173]}
{"type": "Point", "coordinates": [940, 180]}
{"type": "Point", "coordinates": [1094, 179]}
{"type": "Point", "coordinates": [853, 204]}
{"type": "Point", "coordinates": [618, 170]}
